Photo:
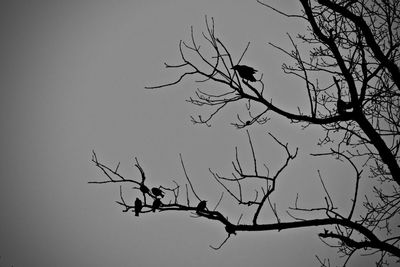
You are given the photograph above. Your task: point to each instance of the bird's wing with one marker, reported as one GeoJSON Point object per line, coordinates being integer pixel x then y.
{"type": "Point", "coordinates": [249, 69]}
{"type": "Point", "coordinates": [252, 70]}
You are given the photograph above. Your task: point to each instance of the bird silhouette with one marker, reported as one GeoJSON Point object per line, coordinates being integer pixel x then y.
{"type": "Point", "coordinates": [230, 229]}
{"type": "Point", "coordinates": [342, 106]}
{"type": "Point", "coordinates": [144, 189]}
{"type": "Point", "coordinates": [157, 192]}
{"type": "Point", "coordinates": [138, 206]}
{"type": "Point", "coordinates": [201, 206]}
{"type": "Point", "coordinates": [156, 204]}
{"type": "Point", "coordinates": [245, 72]}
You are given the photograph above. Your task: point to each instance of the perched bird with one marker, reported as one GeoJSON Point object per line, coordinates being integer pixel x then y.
{"type": "Point", "coordinates": [342, 106]}
{"type": "Point", "coordinates": [245, 72]}
{"type": "Point", "coordinates": [144, 189]}
{"type": "Point", "coordinates": [156, 204]}
{"type": "Point", "coordinates": [201, 206]}
{"type": "Point", "coordinates": [230, 229]}
{"type": "Point", "coordinates": [138, 206]}
{"type": "Point", "coordinates": [157, 192]}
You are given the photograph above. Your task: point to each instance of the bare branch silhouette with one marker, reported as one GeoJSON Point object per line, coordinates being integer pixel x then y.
{"type": "Point", "coordinates": [351, 80]}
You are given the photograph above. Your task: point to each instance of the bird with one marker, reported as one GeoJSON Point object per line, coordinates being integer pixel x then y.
{"type": "Point", "coordinates": [157, 192]}
{"type": "Point", "coordinates": [342, 106]}
{"type": "Point", "coordinates": [230, 229]}
{"type": "Point", "coordinates": [138, 206]}
{"type": "Point", "coordinates": [144, 189]}
{"type": "Point", "coordinates": [156, 204]}
{"type": "Point", "coordinates": [245, 72]}
{"type": "Point", "coordinates": [201, 206]}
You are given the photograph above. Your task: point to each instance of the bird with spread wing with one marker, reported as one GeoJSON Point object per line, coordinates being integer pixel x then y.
{"type": "Point", "coordinates": [246, 72]}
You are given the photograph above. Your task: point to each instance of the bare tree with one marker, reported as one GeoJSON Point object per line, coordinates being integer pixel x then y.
{"type": "Point", "coordinates": [351, 77]}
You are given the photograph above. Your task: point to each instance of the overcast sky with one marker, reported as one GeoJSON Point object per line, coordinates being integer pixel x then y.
{"type": "Point", "coordinates": [72, 79]}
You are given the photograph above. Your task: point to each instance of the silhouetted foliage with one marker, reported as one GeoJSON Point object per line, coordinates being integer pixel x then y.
{"type": "Point", "coordinates": [352, 79]}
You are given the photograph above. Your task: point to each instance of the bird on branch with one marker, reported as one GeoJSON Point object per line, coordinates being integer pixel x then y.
{"type": "Point", "coordinates": [201, 206]}
{"type": "Point", "coordinates": [156, 204]}
{"type": "Point", "coordinates": [157, 192]}
{"type": "Point", "coordinates": [342, 106]}
{"type": "Point", "coordinates": [230, 229]}
{"type": "Point", "coordinates": [138, 206]}
{"type": "Point", "coordinates": [144, 189]}
{"type": "Point", "coordinates": [246, 72]}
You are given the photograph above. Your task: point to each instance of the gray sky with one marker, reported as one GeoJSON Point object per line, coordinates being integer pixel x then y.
{"type": "Point", "coordinates": [72, 80]}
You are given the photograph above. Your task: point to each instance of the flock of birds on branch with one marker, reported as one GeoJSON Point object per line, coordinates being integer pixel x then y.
{"type": "Point", "coordinates": [246, 73]}
{"type": "Point", "coordinates": [158, 194]}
